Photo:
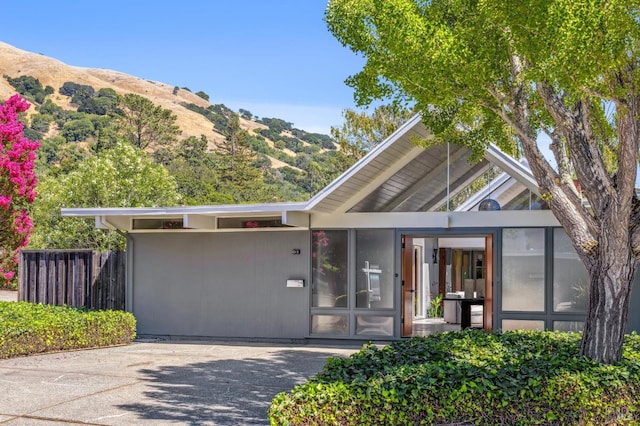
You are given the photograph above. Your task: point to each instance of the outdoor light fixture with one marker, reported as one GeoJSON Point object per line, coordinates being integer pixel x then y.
{"type": "Point", "coordinates": [488, 204]}
{"type": "Point", "coordinates": [295, 251]}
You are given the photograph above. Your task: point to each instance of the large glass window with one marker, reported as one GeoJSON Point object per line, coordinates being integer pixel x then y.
{"type": "Point", "coordinates": [374, 325]}
{"type": "Point", "coordinates": [523, 270]}
{"type": "Point", "coordinates": [568, 325]}
{"type": "Point", "coordinates": [514, 324]}
{"type": "Point", "coordinates": [570, 276]}
{"type": "Point", "coordinates": [374, 269]}
{"type": "Point", "coordinates": [329, 324]}
{"type": "Point", "coordinates": [329, 250]}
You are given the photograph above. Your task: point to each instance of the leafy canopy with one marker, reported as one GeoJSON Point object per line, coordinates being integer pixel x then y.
{"type": "Point", "coordinates": [123, 176]}
{"type": "Point", "coordinates": [454, 58]}
{"type": "Point", "coordinates": [503, 72]}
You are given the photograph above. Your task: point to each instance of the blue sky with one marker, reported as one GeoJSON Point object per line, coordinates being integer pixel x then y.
{"type": "Point", "coordinates": [275, 58]}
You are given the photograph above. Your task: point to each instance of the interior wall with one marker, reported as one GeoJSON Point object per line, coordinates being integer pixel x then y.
{"type": "Point", "coordinates": [221, 284]}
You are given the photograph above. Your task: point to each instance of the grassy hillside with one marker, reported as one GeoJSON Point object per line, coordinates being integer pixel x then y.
{"type": "Point", "coordinates": [293, 162]}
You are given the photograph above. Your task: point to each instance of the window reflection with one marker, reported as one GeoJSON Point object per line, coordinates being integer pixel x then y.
{"type": "Point", "coordinates": [570, 276]}
{"type": "Point", "coordinates": [374, 269]}
{"type": "Point", "coordinates": [329, 324]}
{"type": "Point", "coordinates": [329, 268]}
{"type": "Point", "coordinates": [523, 269]}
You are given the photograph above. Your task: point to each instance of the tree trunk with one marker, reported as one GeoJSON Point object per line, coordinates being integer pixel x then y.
{"type": "Point", "coordinates": [612, 274]}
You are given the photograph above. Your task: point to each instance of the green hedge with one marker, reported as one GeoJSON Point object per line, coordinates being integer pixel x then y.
{"type": "Point", "coordinates": [28, 328]}
{"type": "Point", "coordinates": [510, 378]}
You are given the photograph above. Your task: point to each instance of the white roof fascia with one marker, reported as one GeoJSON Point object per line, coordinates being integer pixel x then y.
{"type": "Point", "coordinates": [380, 220]}
{"type": "Point", "coordinates": [436, 220]}
{"type": "Point", "coordinates": [218, 210]}
{"type": "Point", "coordinates": [360, 164]}
{"type": "Point", "coordinates": [503, 219]}
{"type": "Point", "coordinates": [513, 167]}
{"type": "Point", "coordinates": [298, 219]}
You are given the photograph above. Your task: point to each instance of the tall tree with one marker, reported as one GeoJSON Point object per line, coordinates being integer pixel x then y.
{"type": "Point", "coordinates": [144, 124]}
{"type": "Point", "coordinates": [120, 177]}
{"type": "Point", "coordinates": [193, 168]}
{"type": "Point", "coordinates": [361, 132]}
{"type": "Point", "coordinates": [239, 177]}
{"type": "Point", "coordinates": [505, 71]}
{"type": "Point", "coordinates": [17, 183]}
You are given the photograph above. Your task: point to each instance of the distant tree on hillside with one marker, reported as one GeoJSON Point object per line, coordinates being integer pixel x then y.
{"type": "Point", "coordinates": [276, 124]}
{"type": "Point", "coordinates": [50, 107]}
{"type": "Point", "coordinates": [68, 88]}
{"type": "Point", "coordinates": [203, 95]}
{"type": "Point", "coordinates": [144, 124]}
{"type": "Point", "coordinates": [40, 122]}
{"type": "Point", "coordinates": [193, 168]}
{"type": "Point", "coordinates": [82, 95]}
{"type": "Point", "coordinates": [235, 164]}
{"type": "Point", "coordinates": [78, 130]}
{"type": "Point", "coordinates": [30, 88]}
{"type": "Point", "coordinates": [104, 102]}
{"type": "Point", "coordinates": [245, 114]}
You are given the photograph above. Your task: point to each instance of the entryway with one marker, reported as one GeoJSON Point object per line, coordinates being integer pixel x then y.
{"type": "Point", "coordinates": [445, 280]}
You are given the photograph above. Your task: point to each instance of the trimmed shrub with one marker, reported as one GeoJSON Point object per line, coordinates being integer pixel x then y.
{"type": "Point", "coordinates": [469, 377]}
{"type": "Point", "coordinates": [29, 328]}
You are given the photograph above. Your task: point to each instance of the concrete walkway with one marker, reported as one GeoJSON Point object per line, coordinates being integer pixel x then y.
{"type": "Point", "coordinates": [156, 383]}
{"type": "Point", "coordinates": [8, 296]}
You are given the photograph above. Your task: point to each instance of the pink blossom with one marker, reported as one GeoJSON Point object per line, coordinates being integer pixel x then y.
{"type": "Point", "coordinates": [5, 201]}
{"type": "Point", "coordinates": [17, 183]}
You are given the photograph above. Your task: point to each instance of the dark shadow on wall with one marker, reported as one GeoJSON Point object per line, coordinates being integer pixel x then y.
{"type": "Point", "coordinates": [224, 392]}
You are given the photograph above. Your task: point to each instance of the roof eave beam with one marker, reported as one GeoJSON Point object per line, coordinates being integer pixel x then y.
{"type": "Point", "coordinates": [514, 168]}
{"type": "Point", "coordinates": [403, 197]}
{"type": "Point", "coordinates": [437, 203]}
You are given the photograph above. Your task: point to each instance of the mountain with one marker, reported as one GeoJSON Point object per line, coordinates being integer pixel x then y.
{"type": "Point", "coordinates": [15, 63]}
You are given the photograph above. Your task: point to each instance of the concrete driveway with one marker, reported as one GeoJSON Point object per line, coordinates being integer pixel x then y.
{"type": "Point", "coordinates": [156, 383]}
{"type": "Point", "coordinates": [8, 296]}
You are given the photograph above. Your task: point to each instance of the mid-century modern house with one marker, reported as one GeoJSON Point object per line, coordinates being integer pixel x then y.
{"type": "Point", "coordinates": [362, 259]}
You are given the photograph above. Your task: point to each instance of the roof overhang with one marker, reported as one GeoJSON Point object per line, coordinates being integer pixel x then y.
{"type": "Point", "coordinates": [200, 218]}
{"type": "Point", "coordinates": [396, 177]}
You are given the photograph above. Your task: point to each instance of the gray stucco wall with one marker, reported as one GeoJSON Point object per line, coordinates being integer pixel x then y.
{"type": "Point", "coordinates": [220, 284]}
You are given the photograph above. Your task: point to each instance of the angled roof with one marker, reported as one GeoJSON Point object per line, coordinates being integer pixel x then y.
{"type": "Point", "coordinates": [398, 176]}
{"type": "Point", "coordinates": [395, 176]}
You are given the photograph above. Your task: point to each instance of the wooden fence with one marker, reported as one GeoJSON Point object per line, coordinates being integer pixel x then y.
{"type": "Point", "coordinates": [80, 278]}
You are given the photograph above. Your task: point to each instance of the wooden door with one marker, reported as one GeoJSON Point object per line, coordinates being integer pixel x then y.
{"type": "Point", "coordinates": [407, 286]}
{"type": "Point", "coordinates": [487, 311]}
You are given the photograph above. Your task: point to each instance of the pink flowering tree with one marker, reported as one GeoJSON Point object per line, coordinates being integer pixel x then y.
{"type": "Point", "coordinates": [17, 184]}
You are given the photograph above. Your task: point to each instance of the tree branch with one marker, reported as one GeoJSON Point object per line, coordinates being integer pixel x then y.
{"type": "Point", "coordinates": [584, 153]}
